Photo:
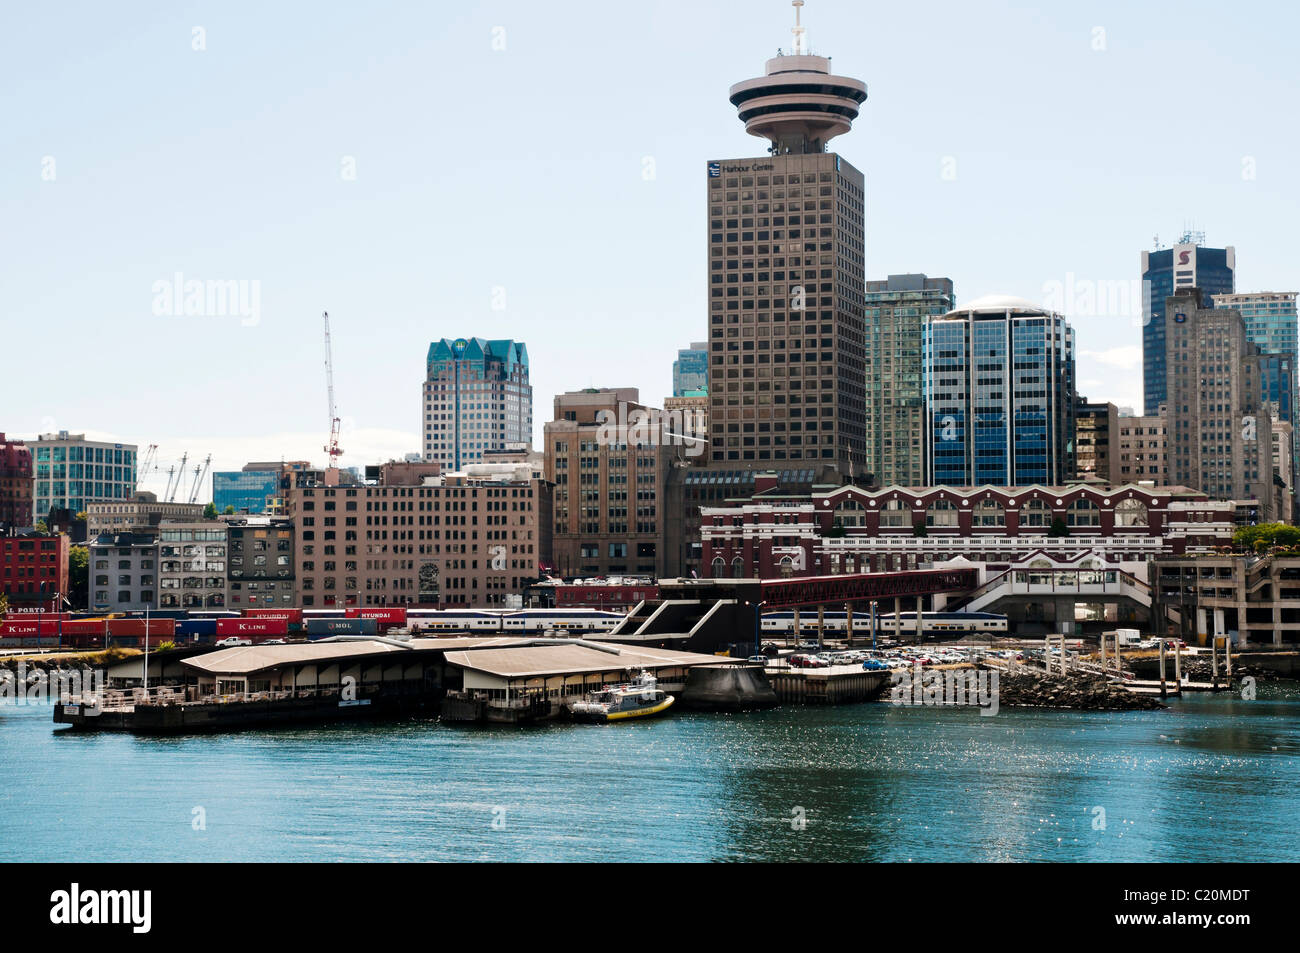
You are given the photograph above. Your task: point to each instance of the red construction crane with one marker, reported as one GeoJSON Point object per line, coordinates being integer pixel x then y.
{"type": "Point", "coordinates": [332, 449]}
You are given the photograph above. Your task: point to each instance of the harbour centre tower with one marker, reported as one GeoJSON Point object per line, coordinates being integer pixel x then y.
{"type": "Point", "coordinates": [786, 274]}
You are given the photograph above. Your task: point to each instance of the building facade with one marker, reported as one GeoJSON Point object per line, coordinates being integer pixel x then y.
{"type": "Point", "coordinates": [786, 269]}
{"type": "Point", "coordinates": [15, 485]}
{"type": "Point", "coordinates": [851, 529]}
{"type": "Point", "coordinates": [72, 472]}
{"type": "Point", "coordinates": [691, 370]}
{"type": "Point", "coordinates": [34, 571]}
{"type": "Point", "coordinates": [896, 312]}
{"type": "Point", "coordinates": [1096, 442]}
{"type": "Point", "coordinates": [1188, 264]}
{"type": "Point", "coordinates": [261, 563]}
{"type": "Point", "coordinates": [463, 539]}
{"type": "Point", "coordinates": [1271, 323]}
{"type": "Point", "coordinates": [1142, 456]}
{"type": "Point", "coordinates": [123, 572]}
{"type": "Point", "coordinates": [999, 395]}
{"type": "Point", "coordinates": [1219, 435]}
{"type": "Point", "coordinates": [608, 504]}
{"type": "Point", "coordinates": [192, 565]}
{"type": "Point", "coordinates": [252, 492]}
{"type": "Point", "coordinates": [476, 399]}
{"type": "Point", "coordinates": [141, 514]}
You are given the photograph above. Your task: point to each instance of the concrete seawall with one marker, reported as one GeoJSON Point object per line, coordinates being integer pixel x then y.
{"type": "Point", "coordinates": [728, 688]}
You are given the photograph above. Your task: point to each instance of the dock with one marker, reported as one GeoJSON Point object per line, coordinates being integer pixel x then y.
{"type": "Point", "coordinates": [837, 685]}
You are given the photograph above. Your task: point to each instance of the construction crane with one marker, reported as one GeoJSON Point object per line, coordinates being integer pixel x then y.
{"type": "Point", "coordinates": [332, 450]}
{"type": "Point", "coordinates": [174, 488]}
{"type": "Point", "coordinates": [150, 456]}
{"type": "Point", "coordinates": [199, 476]}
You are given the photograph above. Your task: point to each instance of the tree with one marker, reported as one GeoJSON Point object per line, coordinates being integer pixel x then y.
{"type": "Point", "coordinates": [1057, 528]}
{"type": "Point", "coordinates": [4, 604]}
{"type": "Point", "coordinates": [229, 510]}
{"type": "Point", "coordinates": [79, 576]}
{"type": "Point", "coordinates": [210, 511]}
{"type": "Point", "coordinates": [42, 527]}
{"type": "Point", "coordinates": [918, 529]}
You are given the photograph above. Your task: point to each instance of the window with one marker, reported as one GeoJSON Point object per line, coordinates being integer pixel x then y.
{"type": "Point", "coordinates": [941, 513]}
{"type": "Point", "coordinates": [989, 513]}
{"type": "Point", "coordinates": [1083, 513]}
{"type": "Point", "coordinates": [1036, 513]}
{"type": "Point", "coordinates": [896, 514]}
{"type": "Point", "coordinates": [1131, 513]}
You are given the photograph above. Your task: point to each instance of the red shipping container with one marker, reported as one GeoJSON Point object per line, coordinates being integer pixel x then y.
{"type": "Point", "coordinates": [292, 616]}
{"type": "Point", "coordinates": [126, 627]}
{"type": "Point", "coordinates": [255, 629]}
{"type": "Point", "coordinates": [384, 615]}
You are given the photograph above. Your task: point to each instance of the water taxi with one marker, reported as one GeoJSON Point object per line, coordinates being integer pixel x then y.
{"type": "Point", "coordinates": [641, 698]}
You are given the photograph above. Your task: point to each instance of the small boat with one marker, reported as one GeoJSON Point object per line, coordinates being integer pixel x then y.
{"type": "Point", "coordinates": [641, 698]}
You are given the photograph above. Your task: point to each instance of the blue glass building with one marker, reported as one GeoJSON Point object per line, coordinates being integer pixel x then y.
{"type": "Point", "coordinates": [691, 370]}
{"type": "Point", "coordinates": [248, 491]}
{"type": "Point", "coordinates": [999, 395]}
{"type": "Point", "coordinates": [1186, 265]}
{"type": "Point", "coordinates": [476, 399]}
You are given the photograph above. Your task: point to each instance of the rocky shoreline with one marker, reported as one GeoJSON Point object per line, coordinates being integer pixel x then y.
{"type": "Point", "coordinates": [1078, 690]}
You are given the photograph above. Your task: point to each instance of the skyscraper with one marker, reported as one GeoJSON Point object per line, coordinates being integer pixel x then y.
{"type": "Point", "coordinates": [1187, 264]}
{"type": "Point", "coordinates": [691, 369]}
{"type": "Point", "coordinates": [1218, 440]}
{"type": "Point", "coordinates": [999, 395]}
{"type": "Point", "coordinates": [896, 312]}
{"type": "Point", "coordinates": [1271, 323]}
{"type": "Point", "coordinates": [477, 399]}
{"type": "Point", "coordinates": [786, 266]}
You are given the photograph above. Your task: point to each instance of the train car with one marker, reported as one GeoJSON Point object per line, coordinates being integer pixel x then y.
{"type": "Point", "coordinates": [513, 621]}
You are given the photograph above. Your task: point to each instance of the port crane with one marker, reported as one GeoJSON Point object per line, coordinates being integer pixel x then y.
{"type": "Point", "coordinates": [179, 472]}
{"type": "Point", "coordinates": [143, 470]}
{"type": "Point", "coordinates": [332, 450]}
{"type": "Point", "coordinates": [199, 477]}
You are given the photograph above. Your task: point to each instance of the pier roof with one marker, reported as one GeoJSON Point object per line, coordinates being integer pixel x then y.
{"type": "Point", "coordinates": [570, 658]}
{"type": "Point", "coordinates": [256, 658]}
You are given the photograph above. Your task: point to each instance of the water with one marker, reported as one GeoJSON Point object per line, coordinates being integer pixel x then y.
{"type": "Point", "coordinates": [1213, 778]}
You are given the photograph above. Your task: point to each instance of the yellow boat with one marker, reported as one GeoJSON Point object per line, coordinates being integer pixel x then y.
{"type": "Point", "coordinates": [641, 698]}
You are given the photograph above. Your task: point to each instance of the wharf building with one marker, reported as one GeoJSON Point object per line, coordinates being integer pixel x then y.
{"type": "Point", "coordinates": [72, 472]}
{"type": "Point", "coordinates": [15, 485]}
{"type": "Point", "coordinates": [786, 271]}
{"type": "Point", "coordinates": [476, 399]}
{"type": "Point", "coordinates": [850, 529]}
{"type": "Point", "coordinates": [896, 313]}
{"type": "Point", "coordinates": [1249, 598]}
{"type": "Point", "coordinates": [462, 539]}
{"type": "Point", "coordinates": [999, 395]}
{"type": "Point", "coordinates": [1188, 264]}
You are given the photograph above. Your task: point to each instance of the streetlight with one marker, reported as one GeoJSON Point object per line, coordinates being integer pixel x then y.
{"type": "Point", "coordinates": [758, 620]}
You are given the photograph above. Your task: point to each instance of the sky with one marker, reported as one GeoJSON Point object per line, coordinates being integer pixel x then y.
{"type": "Point", "coordinates": [538, 171]}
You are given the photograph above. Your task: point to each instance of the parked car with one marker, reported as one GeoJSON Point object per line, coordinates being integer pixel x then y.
{"type": "Point", "coordinates": [274, 642]}
{"type": "Point", "coordinates": [233, 640]}
{"type": "Point", "coordinates": [874, 665]}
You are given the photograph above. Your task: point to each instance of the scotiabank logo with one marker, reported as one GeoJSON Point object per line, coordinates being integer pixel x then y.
{"type": "Point", "coordinates": [1184, 258]}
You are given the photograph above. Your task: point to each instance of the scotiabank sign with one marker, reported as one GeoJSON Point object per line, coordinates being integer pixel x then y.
{"type": "Point", "coordinates": [384, 615]}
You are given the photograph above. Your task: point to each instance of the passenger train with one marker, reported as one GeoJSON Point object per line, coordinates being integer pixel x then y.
{"type": "Point", "coordinates": [933, 624]}
{"type": "Point", "coordinates": [522, 621]}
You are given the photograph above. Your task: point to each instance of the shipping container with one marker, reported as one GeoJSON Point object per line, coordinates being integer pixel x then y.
{"type": "Point", "coordinates": [255, 629]}
{"type": "Point", "coordinates": [384, 615]}
{"type": "Point", "coordinates": [322, 628]}
{"type": "Point", "coordinates": [292, 616]}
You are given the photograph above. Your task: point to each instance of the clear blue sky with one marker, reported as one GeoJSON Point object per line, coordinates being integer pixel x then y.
{"type": "Point", "coordinates": [522, 169]}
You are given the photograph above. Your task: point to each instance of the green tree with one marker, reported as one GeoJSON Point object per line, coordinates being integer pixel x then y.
{"type": "Point", "coordinates": [79, 576]}
{"type": "Point", "coordinates": [1058, 528]}
{"type": "Point", "coordinates": [4, 605]}
{"type": "Point", "coordinates": [918, 529]}
{"type": "Point", "coordinates": [42, 527]}
{"type": "Point", "coordinates": [210, 511]}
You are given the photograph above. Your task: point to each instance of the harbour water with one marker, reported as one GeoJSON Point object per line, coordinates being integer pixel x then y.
{"type": "Point", "coordinates": [1213, 778]}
